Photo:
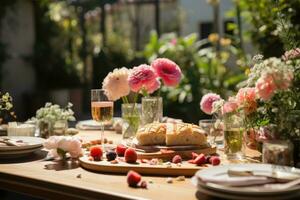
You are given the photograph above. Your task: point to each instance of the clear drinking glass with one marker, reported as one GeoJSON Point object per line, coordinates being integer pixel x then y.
{"type": "Point", "coordinates": [152, 110]}
{"type": "Point", "coordinates": [233, 139]}
{"type": "Point", "coordinates": [278, 152]}
{"type": "Point", "coordinates": [214, 131]}
{"type": "Point", "coordinates": [102, 110]}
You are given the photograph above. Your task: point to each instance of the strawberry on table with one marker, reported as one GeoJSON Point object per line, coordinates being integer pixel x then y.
{"type": "Point", "coordinates": [130, 155]}
{"type": "Point", "coordinates": [177, 159]}
{"type": "Point", "coordinates": [200, 159]}
{"type": "Point", "coordinates": [120, 150]}
{"type": "Point", "coordinates": [133, 178]}
{"type": "Point", "coordinates": [215, 160]}
{"type": "Point", "coordinates": [96, 152]}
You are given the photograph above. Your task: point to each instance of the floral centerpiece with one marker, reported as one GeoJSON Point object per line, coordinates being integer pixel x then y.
{"type": "Point", "coordinates": [51, 114]}
{"type": "Point", "coordinates": [268, 102]}
{"type": "Point", "coordinates": [143, 79]}
{"type": "Point", "coordinates": [6, 106]}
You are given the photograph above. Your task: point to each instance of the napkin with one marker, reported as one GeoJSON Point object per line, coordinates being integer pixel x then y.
{"type": "Point", "coordinates": [236, 181]}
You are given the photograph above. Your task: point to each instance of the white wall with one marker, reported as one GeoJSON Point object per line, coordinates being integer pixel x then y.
{"type": "Point", "coordinates": [17, 33]}
{"type": "Point", "coordinates": [197, 11]}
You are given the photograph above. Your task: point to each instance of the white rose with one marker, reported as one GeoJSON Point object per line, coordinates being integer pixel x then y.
{"type": "Point", "coordinates": [52, 142]}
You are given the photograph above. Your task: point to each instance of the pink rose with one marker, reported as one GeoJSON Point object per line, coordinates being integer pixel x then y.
{"type": "Point", "coordinates": [167, 70]}
{"type": "Point", "coordinates": [230, 106]}
{"type": "Point", "coordinates": [265, 87]}
{"type": "Point", "coordinates": [207, 101]}
{"type": "Point", "coordinates": [246, 98]}
{"type": "Point", "coordinates": [142, 76]}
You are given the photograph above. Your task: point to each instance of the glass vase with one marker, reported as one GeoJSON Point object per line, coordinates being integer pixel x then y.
{"type": "Point", "coordinates": [233, 138]}
{"type": "Point", "coordinates": [47, 129]}
{"type": "Point", "coordinates": [131, 119]}
{"type": "Point", "coordinates": [278, 152]}
{"type": "Point", "coordinates": [152, 110]}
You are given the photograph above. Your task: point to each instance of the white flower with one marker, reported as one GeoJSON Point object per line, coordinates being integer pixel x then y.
{"type": "Point", "coordinates": [52, 142]}
{"type": "Point", "coordinates": [116, 84]}
{"type": "Point", "coordinates": [68, 144]}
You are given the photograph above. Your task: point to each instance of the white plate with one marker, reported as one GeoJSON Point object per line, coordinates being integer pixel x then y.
{"type": "Point", "coordinates": [221, 171]}
{"type": "Point", "coordinates": [17, 154]}
{"type": "Point", "coordinates": [32, 142]}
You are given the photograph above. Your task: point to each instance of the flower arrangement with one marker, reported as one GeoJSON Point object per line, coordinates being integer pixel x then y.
{"type": "Point", "coordinates": [144, 79]}
{"type": "Point", "coordinates": [50, 114]}
{"type": "Point", "coordinates": [60, 146]}
{"type": "Point", "coordinates": [6, 106]}
{"type": "Point", "coordinates": [53, 112]}
{"type": "Point", "coordinates": [269, 101]}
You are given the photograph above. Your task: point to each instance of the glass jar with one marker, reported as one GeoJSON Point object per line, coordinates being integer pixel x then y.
{"type": "Point", "coordinates": [131, 113]}
{"type": "Point", "coordinates": [279, 152]}
{"type": "Point", "coordinates": [233, 138]}
{"type": "Point", "coordinates": [152, 110]}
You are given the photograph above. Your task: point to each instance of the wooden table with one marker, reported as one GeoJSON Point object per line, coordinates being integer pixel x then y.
{"type": "Point", "coordinates": [54, 180]}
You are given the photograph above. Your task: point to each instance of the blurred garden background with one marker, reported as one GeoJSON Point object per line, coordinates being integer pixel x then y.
{"type": "Point", "coordinates": [57, 50]}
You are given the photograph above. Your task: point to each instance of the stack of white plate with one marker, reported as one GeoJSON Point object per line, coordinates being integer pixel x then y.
{"type": "Point", "coordinates": [31, 144]}
{"type": "Point", "coordinates": [248, 191]}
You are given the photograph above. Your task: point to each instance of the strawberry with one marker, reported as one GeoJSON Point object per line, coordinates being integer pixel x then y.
{"type": "Point", "coordinates": [191, 161]}
{"type": "Point", "coordinates": [130, 155]}
{"type": "Point", "coordinates": [120, 150]}
{"type": "Point", "coordinates": [200, 159]}
{"type": "Point", "coordinates": [215, 160]}
{"type": "Point", "coordinates": [96, 152]}
{"type": "Point", "coordinates": [177, 159]}
{"type": "Point", "coordinates": [194, 155]}
{"type": "Point", "coordinates": [133, 178]}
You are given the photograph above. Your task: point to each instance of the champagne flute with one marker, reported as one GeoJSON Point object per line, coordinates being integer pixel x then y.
{"type": "Point", "coordinates": [102, 110]}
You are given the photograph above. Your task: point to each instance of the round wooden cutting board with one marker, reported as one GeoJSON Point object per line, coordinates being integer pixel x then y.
{"type": "Point", "coordinates": [185, 169]}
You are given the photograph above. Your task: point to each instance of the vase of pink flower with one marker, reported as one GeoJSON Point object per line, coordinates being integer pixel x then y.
{"type": "Point", "coordinates": [269, 100]}
{"type": "Point", "coordinates": [145, 80]}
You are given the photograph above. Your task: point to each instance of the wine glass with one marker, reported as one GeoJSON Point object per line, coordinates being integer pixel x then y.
{"type": "Point", "coordinates": [102, 110]}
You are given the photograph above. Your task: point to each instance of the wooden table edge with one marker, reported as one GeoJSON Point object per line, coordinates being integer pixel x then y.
{"type": "Point", "coordinates": [48, 190]}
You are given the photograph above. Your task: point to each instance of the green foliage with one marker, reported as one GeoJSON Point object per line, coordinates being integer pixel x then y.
{"type": "Point", "coordinates": [53, 59]}
{"type": "Point", "coordinates": [204, 69]}
{"type": "Point", "coordinates": [275, 24]}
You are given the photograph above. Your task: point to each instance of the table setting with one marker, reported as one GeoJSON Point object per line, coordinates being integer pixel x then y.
{"type": "Point", "coordinates": [242, 151]}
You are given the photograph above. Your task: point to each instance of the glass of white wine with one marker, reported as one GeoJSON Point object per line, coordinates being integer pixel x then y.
{"type": "Point", "coordinates": [102, 110]}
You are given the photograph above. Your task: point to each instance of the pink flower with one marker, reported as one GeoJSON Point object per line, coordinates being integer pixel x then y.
{"type": "Point", "coordinates": [291, 54]}
{"type": "Point", "coordinates": [153, 87]}
{"type": "Point", "coordinates": [142, 76]}
{"type": "Point", "coordinates": [265, 87]}
{"type": "Point", "coordinates": [167, 70]}
{"type": "Point", "coordinates": [246, 98]}
{"type": "Point", "coordinates": [207, 101]}
{"type": "Point", "coordinates": [173, 41]}
{"type": "Point", "coordinates": [230, 106]}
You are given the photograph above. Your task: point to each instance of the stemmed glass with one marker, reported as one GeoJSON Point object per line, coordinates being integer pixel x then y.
{"type": "Point", "coordinates": [102, 110]}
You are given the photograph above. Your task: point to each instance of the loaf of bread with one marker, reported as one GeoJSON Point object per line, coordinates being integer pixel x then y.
{"type": "Point", "coordinates": [152, 134]}
{"type": "Point", "coordinates": [171, 134]}
{"type": "Point", "coordinates": [184, 134]}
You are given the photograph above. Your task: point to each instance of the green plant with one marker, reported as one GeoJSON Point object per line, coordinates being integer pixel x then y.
{"type": "Point", "coordinates": [274, 24]}
{"type": "Point", "coordinates": [204, 68]}
{"type": "Point", "coordinates": [6, 108]}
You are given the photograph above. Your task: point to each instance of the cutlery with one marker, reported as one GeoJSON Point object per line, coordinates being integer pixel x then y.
{"type": "Point", "coordinates": [282, 186]}
{"type": "Point", "coordinates": [278, 175]}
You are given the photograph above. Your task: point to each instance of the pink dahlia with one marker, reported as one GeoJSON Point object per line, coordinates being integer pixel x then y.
{"type": "Point", "coordinates": [150, 88]}
{"type": "Point", "coordinates": [246, 98]}
{"type": "Point", "coordinates": [230, 106]}
{"type": "Point", "coordinates": [167, 70]}
{"type": "Point", "coordinates": [141, 77]}
{"type": "Point", "coordinates": [207, 101]}
{"type": "Point", "coordinates": [265, 87]}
